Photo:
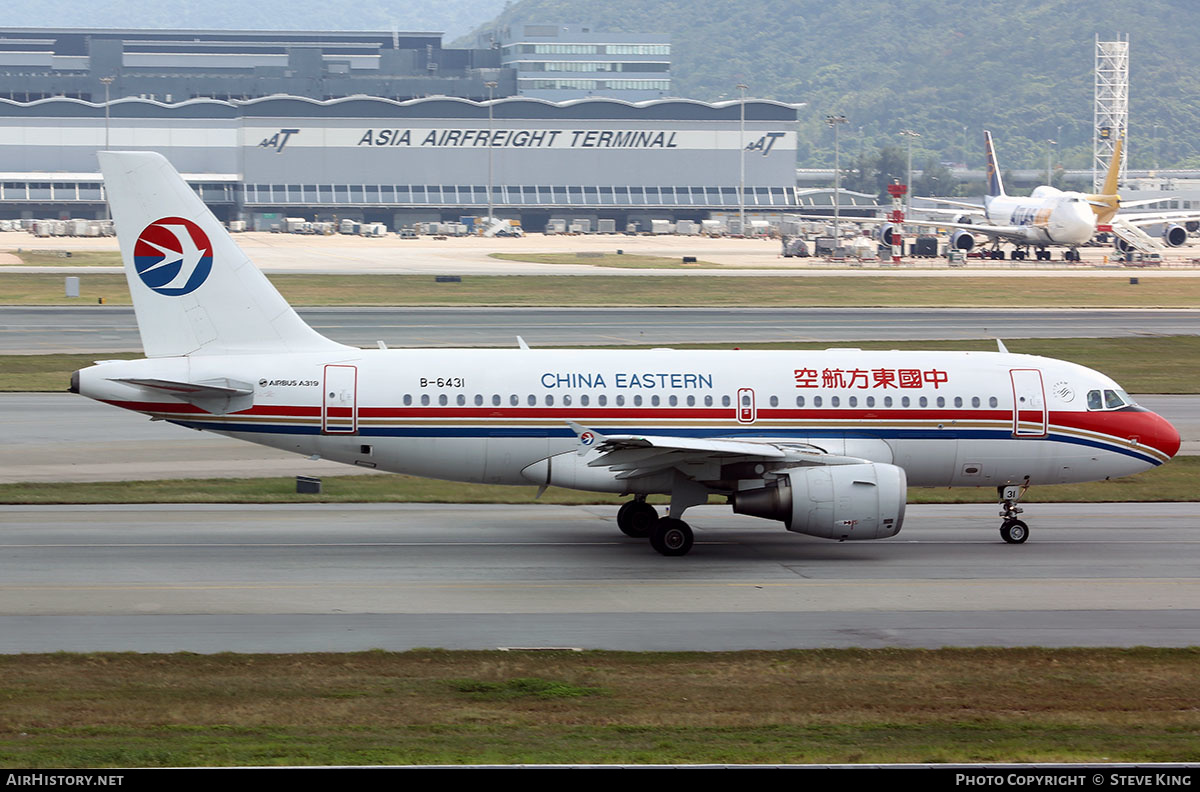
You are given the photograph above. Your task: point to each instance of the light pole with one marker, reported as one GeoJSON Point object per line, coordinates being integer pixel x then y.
{"type": "Point", "coordinates": [491, 86]}
{"type": "Point", "coordinates": [1050, 144]}
{"type": "Point", "coordinates": [742, 160]}
{"type": "Point", "coordinates": [107, 82]}
{"type": "Point", "coordinates": [835, 122]}
{"type": "Point", "coordinates": [908, 133]}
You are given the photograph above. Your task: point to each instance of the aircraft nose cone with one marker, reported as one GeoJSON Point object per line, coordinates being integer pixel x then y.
{"type": "Point", "coordinates": [1151, 429]}
{"type": "Point", "coordinates": [1165, 436]}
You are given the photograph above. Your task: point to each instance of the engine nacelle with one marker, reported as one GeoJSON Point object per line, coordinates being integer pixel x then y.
{"type": "Point", "coordinates": [863, 501]}
{"type": "Point", "coordinates": [884, 233]}
{"type": "Point", "coordinates": [1120, 245]}
{"type": "Point", "coordinates": [1174, 235]}
{"type": "Point", "coordinates": [962, 240]}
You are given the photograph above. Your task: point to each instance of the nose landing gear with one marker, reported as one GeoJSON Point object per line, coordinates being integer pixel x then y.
{"type": "Point", "coordinates": [1012, 530]}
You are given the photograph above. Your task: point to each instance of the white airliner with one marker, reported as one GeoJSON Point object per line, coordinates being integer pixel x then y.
{"type": "Point", "coordinates": [825, 441]}
{"type": "Point", "coordinates": [1049, 216]}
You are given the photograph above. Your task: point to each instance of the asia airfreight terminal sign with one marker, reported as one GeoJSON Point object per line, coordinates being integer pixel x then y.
{"type": "Point", "coordinates": [522, 138]}
{"type": "Point", "coordinates": [628, 139]}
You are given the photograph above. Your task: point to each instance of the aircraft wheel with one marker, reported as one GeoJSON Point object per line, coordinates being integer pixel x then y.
{"type": "Point", "coordinates": [671, 537]}
{"type": "Point", "coordinates": [1014, 531]}
{"type": "Point", "coordinates": [636, 518]}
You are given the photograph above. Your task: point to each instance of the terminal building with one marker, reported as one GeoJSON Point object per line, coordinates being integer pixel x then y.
{"type": "Point", "coordinates": [176, 65]}
{"type": "Point", "coordinates": [401, 162]}
{"type": "Point", "coordinates": [561, 62]}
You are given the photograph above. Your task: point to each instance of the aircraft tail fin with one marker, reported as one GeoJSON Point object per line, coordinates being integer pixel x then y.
{"type": "Point", "coordinates": [995, 183]}
{"type": "Point", "coordinates": [1114, 169]}
{"type": "Point", "coordinates": [194, 291]}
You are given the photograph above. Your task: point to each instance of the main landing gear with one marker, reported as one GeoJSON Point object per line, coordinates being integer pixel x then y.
{"type": "Point", "coordinates": [636, 518]}
{"type": "Point", "coordinates": [668, 535]}
{"type": "Point", "coordinates": [1022, 253]}
{"type": "Point", "coordinates": [1012, 530]}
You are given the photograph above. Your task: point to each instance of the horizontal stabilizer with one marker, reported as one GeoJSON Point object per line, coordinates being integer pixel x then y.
{"type": "Point", "coordinates": [217, 396]}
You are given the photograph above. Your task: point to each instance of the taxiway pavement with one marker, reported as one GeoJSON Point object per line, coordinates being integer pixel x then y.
{"type": "Point", "coordinates": [212, 578]}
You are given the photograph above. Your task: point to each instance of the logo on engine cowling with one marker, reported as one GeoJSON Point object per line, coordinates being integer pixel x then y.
{"type": "Point", "coordinates": [173, 256]}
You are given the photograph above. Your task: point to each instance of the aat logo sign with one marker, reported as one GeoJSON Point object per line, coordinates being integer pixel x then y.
{"type": "Point", "coordinates": [278, 140]}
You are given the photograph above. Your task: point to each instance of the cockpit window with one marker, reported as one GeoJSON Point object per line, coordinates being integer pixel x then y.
{"type": "Point", "coordinates": [1108, 399]}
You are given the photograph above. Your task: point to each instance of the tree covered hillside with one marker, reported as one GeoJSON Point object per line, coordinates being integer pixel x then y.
{"type": "Point", "coordinates": [944, 68]}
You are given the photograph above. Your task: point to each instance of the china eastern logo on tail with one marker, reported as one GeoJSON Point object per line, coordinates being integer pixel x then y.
{"type": "Point", "coordinates": [173, 256]}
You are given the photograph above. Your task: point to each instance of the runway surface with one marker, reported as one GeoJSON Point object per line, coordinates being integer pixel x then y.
{"type": "Point", "coordinates": [113, 329]}
{"type": "Point", "coordinates": [340, 578]}
{"type": "Point", "coordinates": [65, 437]}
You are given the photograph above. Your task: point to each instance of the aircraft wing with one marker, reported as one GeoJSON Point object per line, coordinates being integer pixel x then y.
{"type": "Point", "coordinates": [633, 456]}
{"type": "Point", "coordinates": [963, 204]}
{"type": "Point", "coordinates": [1014, 233]}
{"type": "Point", "coordinates": [951, 212]}
{"type": "Point", "coordinates": [843, 218]}
{"type": "Point", "coordinates": [1151, 218]}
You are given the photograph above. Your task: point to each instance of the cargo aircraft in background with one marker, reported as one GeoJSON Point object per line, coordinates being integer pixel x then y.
{"type": "Point", "coordinates": [825, 441]}
{"type": "Point", "coordinates": [1050, 216]}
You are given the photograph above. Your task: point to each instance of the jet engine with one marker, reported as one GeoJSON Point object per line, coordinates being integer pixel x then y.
{"type": "Point", "coordinates": [859, 501]}
{"type": "Point", "coordinates": [962, 240]}
{"type": "Point", "coordinates": [884, 233]}
{"type": "Point", "coordinates": [1120, 245]}
{"type": "Point", "coordinates": [1174, 235]}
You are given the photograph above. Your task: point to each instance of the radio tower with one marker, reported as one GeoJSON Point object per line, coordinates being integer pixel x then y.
{"type": "Point", "coordinates": [1111, 114]}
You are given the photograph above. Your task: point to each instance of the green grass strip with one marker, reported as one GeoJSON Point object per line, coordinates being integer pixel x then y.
{"type": "Point", "coordinates": [437, 707]}
{"type": "Point", "coordinates": [1079, 291]}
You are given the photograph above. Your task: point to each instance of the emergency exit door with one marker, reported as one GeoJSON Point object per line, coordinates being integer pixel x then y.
{"type": "Point", "coordinates": [1029, 403]}
{"type": "Point", "coordinates": [747, 412]}
{"type": "Point", "coordinates": [339, 405]}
